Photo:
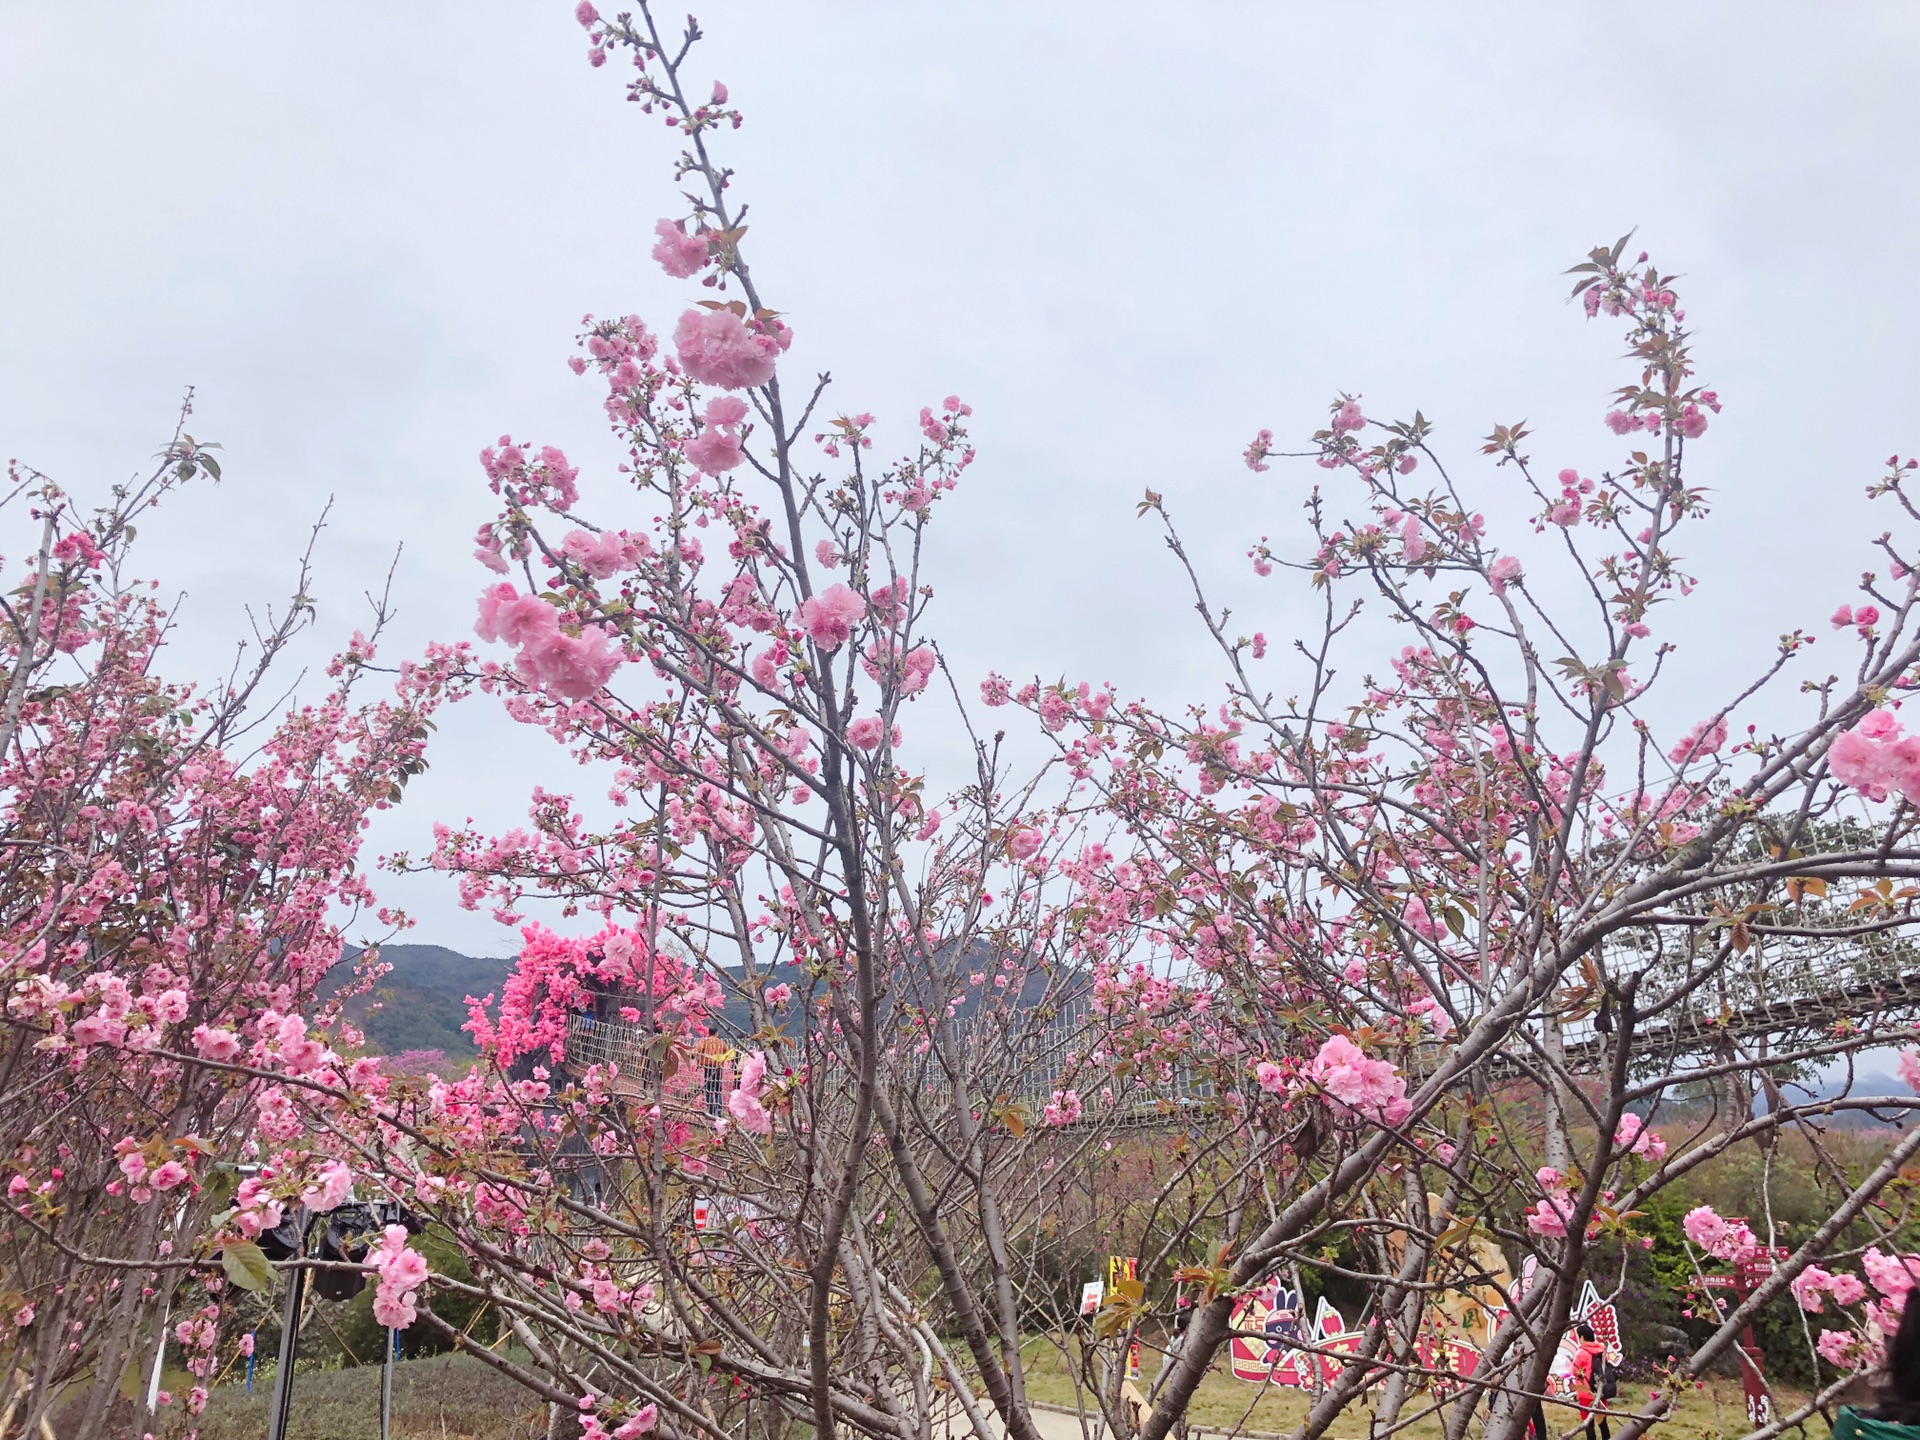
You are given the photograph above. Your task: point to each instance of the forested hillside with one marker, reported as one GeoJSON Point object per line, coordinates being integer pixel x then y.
{"type": "Point", "coordinates": [421, 1004]}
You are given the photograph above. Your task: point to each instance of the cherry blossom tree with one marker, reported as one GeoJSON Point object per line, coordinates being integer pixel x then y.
{"type": "Point", "coordinates": [177, 868]}
{"type": "Point", "coordinates": [1433, 880]}
{"type": "Point", "coordinates": [736, 650]}
{"type": "Point", "coordinates": [1406, 973]}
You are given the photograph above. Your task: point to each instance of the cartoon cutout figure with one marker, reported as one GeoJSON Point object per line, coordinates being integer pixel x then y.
{"type": "Point", "coordinates": [1275, 1311]}
{"type": "Point", "coordinates": [1282, 1325]}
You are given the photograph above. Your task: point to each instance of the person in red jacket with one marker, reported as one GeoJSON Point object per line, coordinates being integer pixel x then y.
{"type": "Point", "coordinates": [1589, 1377]}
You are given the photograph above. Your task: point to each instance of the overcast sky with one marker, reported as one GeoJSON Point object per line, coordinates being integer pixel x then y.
{"type": "Point", "coordinates": [1128, 234]}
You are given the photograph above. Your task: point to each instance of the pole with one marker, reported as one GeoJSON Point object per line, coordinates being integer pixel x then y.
{"type": "Point", "coordinates": [251, 1356]}
{"type": "Point", "coordinates": [386, 1382]}
{"type": "Point", "coordinates": [1753, 1382]}
{"type": "Point", "coordinates": [289, 1336]}
{"type": "Point", "coordinates": [166, 1314]}
{"type": "Point", "coordinates": [159, 1360]}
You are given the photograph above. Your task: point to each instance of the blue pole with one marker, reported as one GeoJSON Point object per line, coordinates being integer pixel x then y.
{"type": "Point", "coordinates": [386, 1382]}
{"type": "Point", "coordinates": [250, 1335]}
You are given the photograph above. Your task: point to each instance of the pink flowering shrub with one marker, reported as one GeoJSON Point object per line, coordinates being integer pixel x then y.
{"type": "Point", "coordinates": [182, 865]}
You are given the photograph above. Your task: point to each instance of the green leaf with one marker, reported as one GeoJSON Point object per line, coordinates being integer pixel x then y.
{"type": "Point", "coordinates": [246, 1266]}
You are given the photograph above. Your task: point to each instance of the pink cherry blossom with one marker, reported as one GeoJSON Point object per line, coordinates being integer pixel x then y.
{"type": "Point", "coordinates": [1025, 843]}
{"type": "Point", "coordinates": [401, 1273]}
{"type": "Point", "coordinates": [1548, 1217]}
{"type": "Point", "coordinates": [167, 1176]}
{"type": "Point", "coordinates": [1064, 1109]}
{"type": "Point", "coordinates": [1371, 1089]}
{"type": "Point", "coordinates": [714, 450]}
{"type": "Point", "coordinates": [725, 410]}
{"type": "Point", "coordinates": [867, 732]}
{"type": "Point", "coordinates": [1704, 1227]}
{"type": "Point", "coordinates": [213, 1043]}
{"type": "Point", "coordinates": [716, 347]}
{"type": "Point", "coordinates": [1808, 1287]}
{"type": "Point", "coordinates": [1703, 739]}
{"type": "Point", "coordinates": [1504, 572]}
{"type": "Point", "coordinates": [1419, 920]}
{"type": "Point", "coordinates": [575, 667]}
{"type": "Point", "coordinates": [1723, 1239]}
{"type": "Point", "coordinates": [717, 448]}
{"type": "Point", "coordinates": [1256, 453]}
{"type": "Point", "coordinates": [1844, 1349]}
{"type": "Point", "coordinates": [329, 1188]}
{"type": "Point", "coordinates": [681, 255]}
{"type": "Point", "coordinates": [601, 556]}
{"type": "Point", "coordinates": [829, 617]}
{"type": "Point", "coordinates": [511, 618]}
{"type": "Point", "coordinates": [1891, 1275]}
{"type": "Point", "coordinates": [643, 1420]}
{"type": "Point", "coordinates": [1875, 761]}
{"type": "Point", "coordinates": [744, 1103]}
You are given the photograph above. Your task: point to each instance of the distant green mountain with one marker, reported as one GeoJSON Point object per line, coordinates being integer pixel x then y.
{"type": "Point", "coordinates": [421, 1002]}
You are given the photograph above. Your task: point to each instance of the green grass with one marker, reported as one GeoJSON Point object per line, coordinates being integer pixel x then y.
{"type": "Point", "coordinates": [1714, 1411]}
{"type": "Point", "coordinates": [444, 1397]}
{"type": "Point", "coordinates": [455, 1397]}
